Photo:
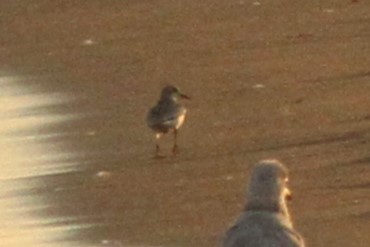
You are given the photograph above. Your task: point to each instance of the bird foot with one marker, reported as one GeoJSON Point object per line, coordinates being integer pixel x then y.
{"type": "Point", "coordinates": [175, 150]}
{"type": "Point", "coordinates": [159, 156]}
{"type": "Point", "coordinates": [157, 150]}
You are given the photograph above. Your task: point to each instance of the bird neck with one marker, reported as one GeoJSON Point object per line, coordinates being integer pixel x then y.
{"type": "Point", "coordinates": [168, 98]}
{"type": "Point", "coordinates": [268, 205]}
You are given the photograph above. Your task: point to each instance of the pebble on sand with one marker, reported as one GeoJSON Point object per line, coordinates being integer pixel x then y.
{"type": "Point", "coordinates": [89, 42]}
{"type": "Point", "coordinates": [257, 86]}
{"type": "Point", "coordinates": [103, 174]}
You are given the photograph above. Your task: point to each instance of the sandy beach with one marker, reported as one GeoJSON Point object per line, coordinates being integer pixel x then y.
{"type": "Point", "coordinates": [267, 79]}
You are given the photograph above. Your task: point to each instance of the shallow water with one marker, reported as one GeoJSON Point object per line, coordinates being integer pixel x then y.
{"type": "Point", "coordinates": [267, 80]}
{"type": "Point", "coordinates": [51, 166]}
{"type": "Point", "coordinates": [29, 152]}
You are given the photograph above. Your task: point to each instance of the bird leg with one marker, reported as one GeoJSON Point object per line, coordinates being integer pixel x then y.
{"type": "Point", "coordinates": [157, 148]}
{"type": "Point", "coordinates": [175, 149]}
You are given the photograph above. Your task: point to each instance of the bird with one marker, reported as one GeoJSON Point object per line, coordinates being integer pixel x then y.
{"type": "Point", "coordinates": [265, 220]}
{"type": "Point", "coordinates": [167, 115]}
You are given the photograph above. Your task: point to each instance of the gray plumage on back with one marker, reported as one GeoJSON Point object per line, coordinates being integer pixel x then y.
{"type": "Point", "coordinates": [265, 222]}
{"type": "Point", "coordinates": [164, 116]}
{"type": "Point", "coordinates": [167, 115]}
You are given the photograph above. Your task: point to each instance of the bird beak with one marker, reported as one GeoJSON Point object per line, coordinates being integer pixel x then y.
{"type": "Point", "coordinates": [288, 194]}
{"type": "Point", "coordinates": [184, 96]}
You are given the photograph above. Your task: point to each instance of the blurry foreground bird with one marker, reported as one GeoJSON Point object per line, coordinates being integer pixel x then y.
{"type": "Point", "coordinates": [167, 115]}
{"type": "Point", "coordinates": [265, 221]}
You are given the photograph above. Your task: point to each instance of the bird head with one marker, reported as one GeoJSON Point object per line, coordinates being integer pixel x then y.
{"type": "Point", "coordinates": [268, 188]}
{"type": "Point", "coordinates": [171, 92]}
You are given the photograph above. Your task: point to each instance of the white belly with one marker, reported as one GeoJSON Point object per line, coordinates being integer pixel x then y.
{"type": "Point", "coordinates": [180, 120]}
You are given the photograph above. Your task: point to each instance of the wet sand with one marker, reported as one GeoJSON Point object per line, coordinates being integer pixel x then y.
{"type": "Point", "coordinates": [283, 80]}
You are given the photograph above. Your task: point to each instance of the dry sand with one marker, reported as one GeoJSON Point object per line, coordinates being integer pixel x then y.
{"type": "Point", "coordinates": [268, 79]}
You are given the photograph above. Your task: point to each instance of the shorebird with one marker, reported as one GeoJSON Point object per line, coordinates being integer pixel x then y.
{"type": "Point", "coordinates": [265, 221]}
{"type": "Point", "coordinates": [167, 115]}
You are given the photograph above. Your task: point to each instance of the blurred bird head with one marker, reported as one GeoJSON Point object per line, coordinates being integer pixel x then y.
{"type": "Point", "coordinates": [268, 188]}
{"type": "Point", "coordinates": [171, 92]}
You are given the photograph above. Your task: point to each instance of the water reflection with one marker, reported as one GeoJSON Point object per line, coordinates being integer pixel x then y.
{"type": "Point", "coordinates": [69, 174]}
{"type": "Point", "coordinates": [23, 113]}
{"type": "Point", "coordinates": [26, 154]}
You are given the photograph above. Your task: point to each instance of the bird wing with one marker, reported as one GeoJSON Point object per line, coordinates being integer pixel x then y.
{"type": "Point", "coordinates": [165, 114]}
{"type": "Point", "coordinates": [261, 230]}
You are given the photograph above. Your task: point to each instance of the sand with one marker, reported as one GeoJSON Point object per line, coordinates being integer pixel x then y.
{"type": "Point", "coordinates": [268, 79]}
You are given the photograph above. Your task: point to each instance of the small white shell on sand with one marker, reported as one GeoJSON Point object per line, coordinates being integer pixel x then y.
{"type": "Point", "coordinates": [257, 86]}
{"type": "Point", "coordinates": [57, 189]}
{"type": "Point", "coordinates": [89, 42]}
{"type": "Point", "coordinates": [90, 133]}
{"type": "Point", "coordinates": [329, 11]}
{"type": "Point", "coordinates": [105, 241]}
{"type": "Point", "coordinates": [103, 174]}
